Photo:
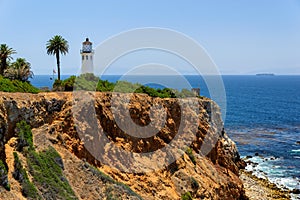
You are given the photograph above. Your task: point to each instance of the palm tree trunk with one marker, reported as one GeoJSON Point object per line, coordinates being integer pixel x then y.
{"type": "Point", "coordinates": [2, 66]}
{"type": "Point", "coordinates": [1, 69]}
{"type": "Point", "coordinates": [58, 65]}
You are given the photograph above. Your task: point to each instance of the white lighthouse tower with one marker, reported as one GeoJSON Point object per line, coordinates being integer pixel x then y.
{"type": "Point", "coordinates": [87, 56]}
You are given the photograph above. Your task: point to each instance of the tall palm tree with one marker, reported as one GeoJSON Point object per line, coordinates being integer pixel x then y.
{"type": "Point", "coordinates": [5, 56]}
{"type": "Point", "coordinates": [55, 46]}
{"type": "Point", "coordinates": [19, 70]}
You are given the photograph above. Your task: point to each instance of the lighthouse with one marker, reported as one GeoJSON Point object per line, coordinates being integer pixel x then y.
{"type": "Point", "coordinates": [87, 56]}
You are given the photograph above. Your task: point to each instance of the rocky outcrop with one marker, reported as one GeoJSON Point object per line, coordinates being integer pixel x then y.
{"type": "Point", "coordinates": [75, 127]}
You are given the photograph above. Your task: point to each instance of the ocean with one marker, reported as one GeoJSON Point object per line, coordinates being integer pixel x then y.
{"type": "Point", "coordinates": [262, 117]}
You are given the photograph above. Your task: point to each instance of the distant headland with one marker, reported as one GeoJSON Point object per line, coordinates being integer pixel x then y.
{"type": "Point", "coordinates": [265, 74]}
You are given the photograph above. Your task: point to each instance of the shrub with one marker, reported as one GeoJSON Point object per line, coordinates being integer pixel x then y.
{"type": "Point", "coordinates": [57, 85]}
{"type": "Point", "coordinates": [28, 189]}
{"type": "Point", "coordinates": [83, 82]}
{"type": "Point", "coordinates": [186, 196]}
{"type": "Point", "coordinates": [7, 85]}
{"type": "Point", "coordinates": [86, 82]}
{"type": "Point", "coordinates": [68, 84]}
{"type": "Point", "coordinates": [90, 82]}
{"type": "Point", "coordinates": [194, 183]}
{"type": "Point", "coordinates": [105, 86]}
{"type": "Point", "coordinates": [3, 176]}
{"type": "Point", "coordinates": [24, 136]}
{"type": "Point", "coordinates": [189, 152]}
{"type": "Point", "coordinates": [46, 169]}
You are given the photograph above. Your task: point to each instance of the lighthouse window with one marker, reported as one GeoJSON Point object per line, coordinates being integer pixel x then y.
{"type": "Point", "coordinates": [91, 57]}
{"type": "Point", "coordinates": [87, 57]}
{"type": "Point", "coordinates": [82, 57]}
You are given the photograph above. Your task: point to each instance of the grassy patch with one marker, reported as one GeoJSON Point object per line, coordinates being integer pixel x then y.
{"type": "Point", "coordinates": [7, 85]}
{"type": "Point", "coordinates": [3, 176]}
{"type": "Point", "coordinates": [24, 136]}
{"type": "Point", "coordinates": [46, 169]}
{"type": "Point", "coordinates": [28, 189]}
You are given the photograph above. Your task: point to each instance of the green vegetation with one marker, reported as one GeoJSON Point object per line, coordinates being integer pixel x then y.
{"type": "Point", "coordinates": [86, 82]}
{"type": "Point", "coordinates": [28, 189]}
{"type": "Point", "coordinates": [105, 86]}
{"type": "Point", "coordinates": [14, 76]}
{"type": "Point", "coordinates": [90, 82]}
{"type": "Point", "coordinates": [3, 176]}
{"type": "Point", "coordinates": [24, 136]}
{"type": "Point", "coordinates": [7, 85]}
{"type": "Point", "coordinates": [194, 183]}
{"type": "Point", "coordinates": [46, 169]}
{"type": "Point", "coordinates": [5, 57]}
{"type": "Point", "coordinates": [186, 196]}
{"type": "Point", "coordinates": [19, 70]}
{"type": "Point", "coordinates": [55, 46]}
{"type": "Point", "coordinates": [189, 152]}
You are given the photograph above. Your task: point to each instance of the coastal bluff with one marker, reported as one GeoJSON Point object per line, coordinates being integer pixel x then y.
{"type": "Point", "coordinates": [51, 118]}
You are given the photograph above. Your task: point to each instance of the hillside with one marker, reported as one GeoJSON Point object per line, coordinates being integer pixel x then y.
{"type": "Point", "coordinates": [57, 141]}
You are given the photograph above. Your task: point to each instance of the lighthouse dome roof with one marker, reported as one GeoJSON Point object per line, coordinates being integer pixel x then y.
{"type": "Point", "coordinates": [87, 42]}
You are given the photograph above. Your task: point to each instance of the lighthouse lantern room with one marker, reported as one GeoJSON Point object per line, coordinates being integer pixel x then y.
{"type": "Point", "coordinates": [87, 56]}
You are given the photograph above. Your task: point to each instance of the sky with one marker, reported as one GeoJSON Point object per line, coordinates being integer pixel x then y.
{"type": "Point", "coordinates": [241, 37]}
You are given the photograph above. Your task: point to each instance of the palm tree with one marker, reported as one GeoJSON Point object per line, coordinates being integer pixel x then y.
{"type": "Point", "coordinates": [19, 70]}
{"type": "Point", "coordinates": [5, 56]}
{"type": "Point", "coordinates": [55, 46]}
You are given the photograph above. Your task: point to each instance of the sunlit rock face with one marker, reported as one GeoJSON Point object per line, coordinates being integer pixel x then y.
{"type": "Point", "coordinates": [76, 128]}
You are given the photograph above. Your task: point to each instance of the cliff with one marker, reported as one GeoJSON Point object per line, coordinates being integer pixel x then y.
{"type": "Point", "coordinates": [76, 132]}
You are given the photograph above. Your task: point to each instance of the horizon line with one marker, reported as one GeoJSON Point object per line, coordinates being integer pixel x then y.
{"type": "Point", "coordinates": [175, 75]}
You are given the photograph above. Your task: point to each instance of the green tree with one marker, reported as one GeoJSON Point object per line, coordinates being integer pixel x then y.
{"type": "Point", "coordinates": [5, 56]}
{"type": "Point", "coordinates": [19, 70]}
{"type": "Point", "coordinates": [55, 46]}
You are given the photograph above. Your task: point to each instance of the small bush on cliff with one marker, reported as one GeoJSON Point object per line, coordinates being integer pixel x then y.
{"type": "Point", "coordinates": [83, 82]}
{"type": "Point", "coordinates": [189, 152]}
{"type": "Point", "coordinates": [86, 82]}
{"type": "Point", "coordinates": [58, 85]}
{"type": "Point", "coordinates": [186, 196]}
{"type": "Point", "coordinates": [3, 176]}
{"type": "Point", "coordinates": [194, 183]}
{"type": "Point", "coordinates": [28, 189]}
{"type": "Point", "coordinates": [105, 86]}
{"type": "Point", "coordinates": [46, 169]}
{"type": "Point", "coordinates": [7, 85]}
{"type": "Point", "coordinates": [24, 136]}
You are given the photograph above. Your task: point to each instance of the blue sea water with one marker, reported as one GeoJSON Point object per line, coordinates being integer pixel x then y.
{"type": "Point", "coordinates": [263, 118]}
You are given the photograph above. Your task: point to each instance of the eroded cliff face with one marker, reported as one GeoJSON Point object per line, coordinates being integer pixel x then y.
{"type": "Point", "coordinates": [55, 122]}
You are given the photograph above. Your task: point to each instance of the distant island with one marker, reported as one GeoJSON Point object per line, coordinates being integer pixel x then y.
{"type": "Point", "coordinates": [265, 74]}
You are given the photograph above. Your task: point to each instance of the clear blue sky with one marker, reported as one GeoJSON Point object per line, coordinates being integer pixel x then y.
{"type": "Point", "coordinates": [242, 37]}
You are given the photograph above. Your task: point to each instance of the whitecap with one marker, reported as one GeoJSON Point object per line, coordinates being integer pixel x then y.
{"type": "Point", "coordinates": [296, 150]}
{"type": "Point", "coordinates": [249, 168]}
{"type": "Point", "coordinates": [288, 182]}
{"type": "Point", "coordinates": [297, 157]}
